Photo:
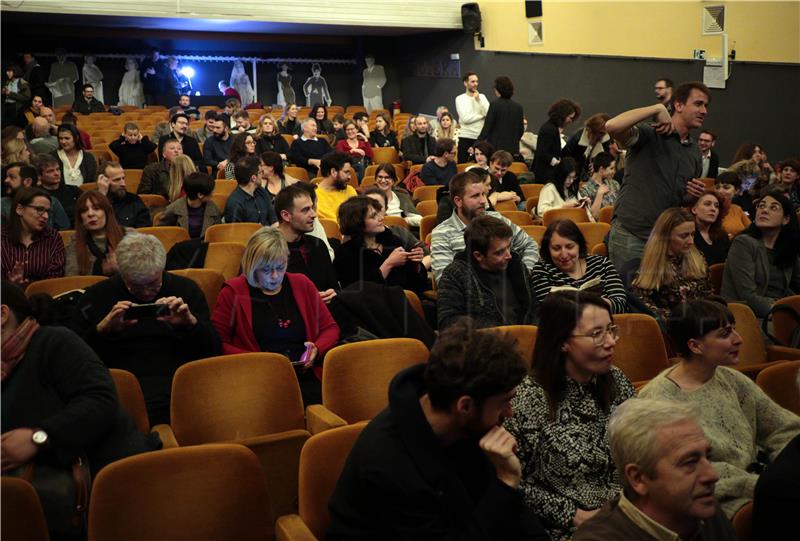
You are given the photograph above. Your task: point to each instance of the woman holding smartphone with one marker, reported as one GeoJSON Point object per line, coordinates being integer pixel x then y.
{"type": "Point", "coordinates": [268, 309]}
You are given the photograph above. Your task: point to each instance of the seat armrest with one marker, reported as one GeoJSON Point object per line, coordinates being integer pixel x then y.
{"type": "Point", "coordinates": [319, 418]}
{"type": "Point", "coordinates": [292, 528]}
{"type": "Point", "coordinates": [782, 353]}
{"type": "Point", "coordinates": [166, 435]}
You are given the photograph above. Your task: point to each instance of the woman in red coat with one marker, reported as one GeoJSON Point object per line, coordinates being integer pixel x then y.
{"type": "Point", "coordinates": [357, 147]}
{"type": "Point", "coordinates": [268, 309]}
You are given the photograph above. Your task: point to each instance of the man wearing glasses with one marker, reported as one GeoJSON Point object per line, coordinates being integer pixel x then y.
{"type": "Point", "coordinates": [149, 341]}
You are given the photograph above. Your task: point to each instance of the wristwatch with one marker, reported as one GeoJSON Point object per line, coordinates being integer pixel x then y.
{"type": "Point", "coordinates": [39, 438]}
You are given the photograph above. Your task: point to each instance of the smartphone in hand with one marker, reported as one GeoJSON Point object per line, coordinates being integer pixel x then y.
{"type": "Point", "coordinates": [144, 311]}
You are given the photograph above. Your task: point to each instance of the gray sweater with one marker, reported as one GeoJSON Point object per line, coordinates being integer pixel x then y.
{"type": "Point", "coordinates": [747, 275]}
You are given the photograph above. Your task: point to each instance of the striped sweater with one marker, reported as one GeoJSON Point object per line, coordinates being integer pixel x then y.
{"type": "Point", "coordinates": [546, 275]}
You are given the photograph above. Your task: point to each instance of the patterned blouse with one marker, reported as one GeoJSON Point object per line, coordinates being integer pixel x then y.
{"type": "Point", "coordinates": [590, 190]}
{"type": "Point", "coordinates": [662, 301]}
{"type": "Point", "coordinates": [566, 462]}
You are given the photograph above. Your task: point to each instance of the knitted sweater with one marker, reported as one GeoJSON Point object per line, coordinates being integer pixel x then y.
{"type": "Point", "coordinates": [738, 419]}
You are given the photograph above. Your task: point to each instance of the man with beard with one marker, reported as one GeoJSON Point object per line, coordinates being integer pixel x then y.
{"type": "Point", "coordinates": [436, 463]}
{"type": "Point", "coordinates": [48, 168]}
{"type": "Point", "coordinates": [217, 147]}
{"type": "Point", "coordinates": [21, 175]}
{"type": "Point", "coordinates": [179, 122]}
{"type": "Point", "coordinates": [201, 134]}
{"type": "Point", "coordinates": [308, 255]}
{"type": "Point", "coordinates": [249, 201]}
{"type": "Point", "coordinates": [129, 209]}
{"type": "Point", "coordinates": [334, 188]}
{"type": "Point", "coordinates": [468, 193]}
{"type": "Point", "coordinates": [419, 147]}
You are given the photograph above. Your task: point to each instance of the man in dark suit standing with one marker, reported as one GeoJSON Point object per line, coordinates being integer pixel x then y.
{"type": "Point", "coordinates": [503, 127]}
{"type": "Point", "coordinates": [706, 142]}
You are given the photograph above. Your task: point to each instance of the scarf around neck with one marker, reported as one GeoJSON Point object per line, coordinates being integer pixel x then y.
{"type": "Point", "coordinates": [14, 347]}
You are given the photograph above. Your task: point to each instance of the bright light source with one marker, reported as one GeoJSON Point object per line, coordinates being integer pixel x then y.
{"type": "Point", "coordinates": [196, 92]}
{"type": "Point", "coordinates": [188, 71]}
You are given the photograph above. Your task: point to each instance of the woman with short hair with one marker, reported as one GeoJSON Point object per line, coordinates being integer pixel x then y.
{"type": "Point", "coordinates": [672, 269]}
{"type": "Point", "coordinates": [273, 177]}
{"type": "Point", "coordinates": [195, 211]}
{"type": "Point", "coordinates": [268, 309]}
{"type": "Point", "coordinates": [561, 413]}
{"type": "Point", "coordinates": [356, 147]}
{"type": "Point", "coordinates": [745, 428]}
{"type": "Point", "coordinates": [503, 126]}
{"type": "Point", "coordinates": [91, 250]}
{"type": "Point", "coordinates": [77, 165]}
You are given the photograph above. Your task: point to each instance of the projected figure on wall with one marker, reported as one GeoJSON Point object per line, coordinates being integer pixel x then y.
{"type": "Point", "coordinates": [372, 87]}
{"type": "Point", "coordinates": [131, 91]}
{"type": "Point", "coordinates": [241, 82]}
{"type": "Point", "coordinates": [63, 76]}
{"type": "Point", "coordinates": [316, 89]}
{"type": "Point", "coordinates": [285, 90]}
{"type": "Point", "coordinates": [93, 76]}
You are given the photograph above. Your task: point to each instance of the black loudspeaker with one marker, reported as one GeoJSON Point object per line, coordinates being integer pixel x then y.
{"type": "Point", "coordinates": [471, 18]}
{"type": "Point", "coordinates": [533, 9]}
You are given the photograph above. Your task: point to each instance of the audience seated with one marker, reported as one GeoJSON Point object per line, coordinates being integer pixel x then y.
{"type": "Point", "coordinates": [764, 260]}
{"type": "Point", "coordinates": [435, 463]}
{"type": "Point", "coordinates": [59, 408]}
{"type": "Point", "coordinates": [217, 146]}
{"type": "Point", "coordinates": [561, 411]}
{"type": "Point", "coordinates": [18, 175]}
{"type": "Point", "coordinates": [288, 123]}
{"type": "Point", "coordinates": [244, 144]}
{"type": "Point", "coordinates": [383, 135]}
{"type": "Point", "coordinates": [481, 152]}
{"type": "Point", "coordinates": [775, 500]}
{"type": "Point", "coordinates": [308, 255]}
{"type": "Point", "coordinates": [88, 103]}
{"type": "Point", "coordinates": [129, 209]}
{"type": "Point", "coordinates": [243, 124]}
{"type": "Point", "coordinates": [91, 250]}
{"type": "Point", "coordinates": [468, 194]}
{"type": "Point", "coordinates": [562, 192]}
{"type": "Point", "coordinates": [672, 269]}
{"type": "Point", "coordinates": [185, 104]}
{"type": "Point", "coordinates": [30, 249]}
{"type": "Point", "coordinates": [179, 130]}
{"type": "Point", "coordinates": [269, 139]}
{"type": "Point", "coordinates": [587, 143]}
{"type": "Point", "coordinates": [738, 418]}
{"type": "Point", "coordinates": [201, 134]}
{"type": "Point", "coordinates": [487, 281]}
{"type": "Point", "coordinates": [419, 146]}
{"type": "Point", "coordinates": [157, 177]}
{"type": "Point", "coordinates": [727, 185]}
{"type": "Point", "coordinates": [548, 144]}
{"type": "Point", "coordinates": [442, 167]}
{"type": "Point", "coordinates": [195, 211]}
{"type": "Point", "coordinates": [249, 202]}
{"type": "Point", "coordinates": [502, 126]}
{"type": "Point", "coordinates": [446, 128]}
{"type": "Point", "coordinates": [709, 236]}
{"type": "Point", "coordinates": [601, 190]}
{"type": "Point", "coordinates": [356, 147]}
{"type": "Point", "coordinates": [662, 457]}
{"type": "Point", "coordinates": [361, 120]}
{"type": "Point", "coordinates": [505, 185]}
{"type": "Point", "coordinates": [334, 188]}
{"type": "Point", "coordinates": [273, 177]}
{"type": "Point", "coordinates": [49, 170]}
{"type": "Point", "coordinates": [407, 238]}
{"type": "Point", "coordinates": [132, 148]}
{"type": "Point", "coordinates": [307, 150]}
{"type": "Point", "coordinates": [790, 181]}
{"type": "Point", "coordinates": [398, 200]}
{"type": "Point", "coordinates": [565, 262]}
{"type": "Point", "coordinates": [77, 165]}
{"type": "Point", "coordinates": [15, 150]}
{"type": "Point", "coordinates": [268, 309]}
{"type": "Point", "coordinates": [69, 118]}
{"type": "Point", "coordinates": [372, 253]}
{"type": "Point", "coordinates": [42, 142]}
{"type": "Point", "coordinates": [150, 346]}
{"type": "Point", "coordinates": [320, 114]}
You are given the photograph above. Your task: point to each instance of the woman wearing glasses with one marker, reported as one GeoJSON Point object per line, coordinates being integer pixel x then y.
{"type": "Point", "coordinates": [398, 201]}
{"type": "Point", "coordinates": [764, 260]}
{"type": "Point", "coordinates": [30, 250]}
{"type": "Point", "coordinates": [356, 147]}
{"type": "Point", "coordinates": [561, 413]}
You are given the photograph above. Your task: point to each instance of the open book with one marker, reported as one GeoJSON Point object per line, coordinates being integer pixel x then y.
{"type": "Point", "coordinates": [595, 285]}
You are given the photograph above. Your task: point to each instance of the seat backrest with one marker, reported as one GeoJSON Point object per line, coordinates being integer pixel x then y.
{"type": "Point", "coordinates": [233, 397]}
{"type": "Point", "coordinates": [168, 235]}
{"type": "Point", "coordinates": [518, 217]}
{"type": "Point", "coordinates": [22, 515]}
{"type": "Point", "coordinates": [57, 286]}
{"type": "Point", "coordinates": [783, 322]}
{"type": "Point", "coordinates": [300, 173]}
{"type": "Point", "coordinates": [395, 221]}
{"type": "Point", "coordinates": [525, 336]}
{"type": "Point", "coordinates": [594, 233]}
{"type": "Point", "coordinates": [356, 376]}
{"type": "Point", "coordinates": [779, 381]}
{"type": "Point", "coordinates": [427, 208]}
{"type": "Point", "coordinates": [531, 190]}
{"type": "Point", "coordinates": [715, 273]}
{"type": "Point", "coordinates": [386, 155]}
{"type": "Point", "coordinates": [425, 193]}
{"type": "Point", "coordinates": [224, 186]}
{"type": "Point", "coordinates": [505, 206]}
{"type": "Point", "coordinates": [416, 304]}
{"type": "Point", "coordinates": [153, 200]}
{"type": "Point", "coordinates": [605, 215]}
{"type": "Point", "coordinates": [224, 257]}
{"type": "Point", "coordinates": [640, 351]}
{"type": "Point", "coordinates": [331, 228]}
{"type": "Point", "coordinates": [208, 280]}
{"type": "Point", "coordinates": [200, 492]}
{"type": "Point", "coordinates": [426, 225]}
{"type": "Point", "coordinates": [577, 215]}
{"type": "Point", "coordinates": [130, 396]}
{"type": "Point", "coordinates": [321, 464]}
{"type": "Point", "coordinates": [743, 522]}
{"type": "Point", "coordinates": [536, 232]}
{"type": "Point", "coordinates": [219, 199]}
{"type": "Point", "coordinates": [236, 232]}
{"type": "Point", "coordinates": [518, 168]}
{"type": "Point", "coordinates": [753, 350]}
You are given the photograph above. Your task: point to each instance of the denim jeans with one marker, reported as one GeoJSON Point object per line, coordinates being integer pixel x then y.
{"type": "Point", "coordinates": [623, 245]}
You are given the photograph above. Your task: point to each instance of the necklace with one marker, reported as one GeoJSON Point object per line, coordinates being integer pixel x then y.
{"type": "Point", "coordinates": [283, 322]}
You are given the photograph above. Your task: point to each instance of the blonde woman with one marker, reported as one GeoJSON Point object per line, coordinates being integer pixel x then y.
{"type": "Point", "coordinates": [15, 150]}
{"type": "Point", "coordinates": [672, 270]}
{"type": "Point", "coordinates": [447, 128]}
{"type": "Point", "coordinates": [269, 138]}
{"type": "Point", "coordinates": [181, 167]}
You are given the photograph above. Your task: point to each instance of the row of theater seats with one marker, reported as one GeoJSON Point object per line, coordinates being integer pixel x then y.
{"type": "Point", "coordinates": [235, 464]}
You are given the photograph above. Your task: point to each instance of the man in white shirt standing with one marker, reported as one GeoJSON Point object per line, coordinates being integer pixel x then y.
{"type": "Point", "coordinates": [471, 107]}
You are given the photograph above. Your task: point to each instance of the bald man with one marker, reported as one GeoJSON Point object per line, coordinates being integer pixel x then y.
{"type": "Point", "coordinates": [43, 141]}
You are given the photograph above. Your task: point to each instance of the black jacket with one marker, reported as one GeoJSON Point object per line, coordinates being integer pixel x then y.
{"type": "Point", "coordinates": [313, 260]}
{"type": "Point", "coordinates": [132, 156]}
{"type": "Point", "coordinates": [503, 126]}
{"type": "Point", "coordinates": [461, 292]}
{"type": "Point", "coordinates": [713, 165]}
{"type": "Point", "coordinates": [400, 483]}
{"type": "Point", "coordinates": [67, 195]}
{"type": "Point", "coordinates": [548, 146]}
{"type": "Point", "coordinates": [190, 147]}
{"type": "Point", "coordinates": [131, 211]}
{"type": "Point", "coordinates": [414, 148]}
{"type": "Point", "coordinates": [276, 143]}
{"type": "Point", "coordinates": [83, 107]}
{"type": "Point", "coordinates": [377, 139]}
{"type": "Point", "coordinates": [577, 152]}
